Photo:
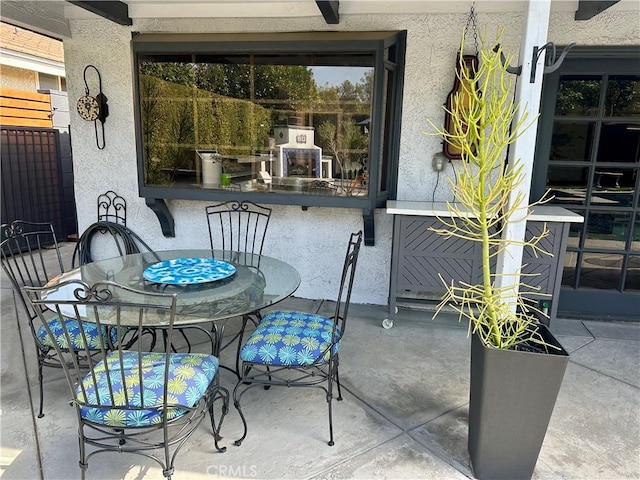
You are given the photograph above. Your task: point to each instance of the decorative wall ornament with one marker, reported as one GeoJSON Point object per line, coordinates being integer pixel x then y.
{"type": "Point", "coordinates": [458, 97]}
{"type": "Point", "coordinates": [94, 109]}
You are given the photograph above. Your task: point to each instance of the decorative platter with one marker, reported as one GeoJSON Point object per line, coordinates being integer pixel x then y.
{"type": "Point", "coordinates": [188, 271]}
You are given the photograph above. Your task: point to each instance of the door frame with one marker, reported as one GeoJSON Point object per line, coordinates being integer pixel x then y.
{"type": "Point", "coordinates": [585, 302]}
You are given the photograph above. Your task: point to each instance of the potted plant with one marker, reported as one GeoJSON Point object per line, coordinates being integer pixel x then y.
{"type": "Point", "coordinates": [517, 365]}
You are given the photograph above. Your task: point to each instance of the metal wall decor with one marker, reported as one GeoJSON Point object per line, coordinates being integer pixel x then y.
{"type": "Point", "coordinates": [94, 109]}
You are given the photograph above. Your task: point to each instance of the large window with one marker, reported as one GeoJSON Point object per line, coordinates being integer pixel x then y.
{"type": "Point", "coordinates": [303, 119]}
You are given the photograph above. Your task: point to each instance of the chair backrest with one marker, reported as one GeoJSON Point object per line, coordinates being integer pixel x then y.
{"type": "Point", "coordinates": [117, 368]}
{"type": "Point", "coordinates": [112, 208]}
{"type": "Point", "coordinates": [124, 242]}
{"type": "Point", "coordinates": [26, 259]}
{"type": "Point", "coordinates": [238, 226]}
{"type": "Point", "coordinates": [346, 284]}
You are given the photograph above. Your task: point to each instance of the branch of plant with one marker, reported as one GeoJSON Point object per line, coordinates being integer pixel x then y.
{"type": "Point", "coordinates": [484, 121]}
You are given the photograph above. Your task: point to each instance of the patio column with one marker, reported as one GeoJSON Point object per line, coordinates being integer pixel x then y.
{"type": "Point", "coordinates": [527, 96]}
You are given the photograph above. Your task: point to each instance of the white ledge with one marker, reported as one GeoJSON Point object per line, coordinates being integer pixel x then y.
{"type": "Point", "coordinates": [539, 213]}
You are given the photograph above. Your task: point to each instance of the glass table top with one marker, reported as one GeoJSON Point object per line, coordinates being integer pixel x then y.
{"type": "Point", "coordinates": [258, 282]}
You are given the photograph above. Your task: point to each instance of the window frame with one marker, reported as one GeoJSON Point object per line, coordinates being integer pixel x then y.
{"type": "Point", "coordinates": [384, 132]}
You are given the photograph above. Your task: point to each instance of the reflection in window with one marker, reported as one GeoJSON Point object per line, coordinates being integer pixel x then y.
{"type": "Point", "coordinates": [619, 142]}
{"type": "Point", "coordinates": [601, 271]}
{"type": "Point", "coordinates": [567, 184]}
{"type": "Point", "coordinates": [623, 96]}
{"type": "Point", "coordinates": [578, 95]}
{"type": "Point", "coordinates": [632, 282]}
{"type": "Point", "coordinates": [572, 141]}
{"type": "Point", "coordinates": [575, 232]}
{"type": "Point", "coordinates": [569, 271]}
{"type": "Point", "coordinates": [614, 187]}
{"type": "Point", "coordinates": [607, 230]}
{"type": "Point", "coordinates": [283, 123]}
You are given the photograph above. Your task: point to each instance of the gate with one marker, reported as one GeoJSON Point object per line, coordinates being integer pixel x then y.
{"type": "Point", "coordinates": [33, 178]}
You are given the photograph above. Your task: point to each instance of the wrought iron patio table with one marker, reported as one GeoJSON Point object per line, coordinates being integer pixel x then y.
{"type": "Point", "coordinates": [259, 281]}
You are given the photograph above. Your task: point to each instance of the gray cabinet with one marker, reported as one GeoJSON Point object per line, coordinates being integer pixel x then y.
{"type": "Point", "coordinates": [420, 257]}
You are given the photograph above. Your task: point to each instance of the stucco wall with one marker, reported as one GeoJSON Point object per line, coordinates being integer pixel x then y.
{"type": "Point", "coordinates": [313, 240]}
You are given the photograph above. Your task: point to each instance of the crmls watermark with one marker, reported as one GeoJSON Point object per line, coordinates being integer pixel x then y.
{"type": "Point", "coordinates": [239, 471]}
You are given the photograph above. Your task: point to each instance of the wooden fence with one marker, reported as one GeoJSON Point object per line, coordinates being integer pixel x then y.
{"type": "Point", "coordinates": [25, 109]}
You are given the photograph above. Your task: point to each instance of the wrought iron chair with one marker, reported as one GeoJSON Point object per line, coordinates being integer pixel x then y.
{"type": "Point", "coordinates": [238, 226]}
{"type": "Point", "coordinates": [131, 399]}
{"type": "Point", "coordinates": [24, 261]}
{"type": "Point", "coordinates": [112, 208]}
{"type": "Point", "coordinates": [112, 220]}
{"type": "Point", "coordinates": [241, 227]}
{"type": "Point", "coordinates": [299, 349]}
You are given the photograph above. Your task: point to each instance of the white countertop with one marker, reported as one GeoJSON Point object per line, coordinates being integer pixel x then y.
{"type": "Point", "coordinates": [540, 213]}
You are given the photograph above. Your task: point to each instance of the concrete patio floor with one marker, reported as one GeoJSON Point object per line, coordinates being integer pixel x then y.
{"type": "Point", "coordinates": [404, 413]}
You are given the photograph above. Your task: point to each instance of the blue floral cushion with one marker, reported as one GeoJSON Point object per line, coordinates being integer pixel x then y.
{"type": "Point", "coordinates": [189, 377]}
{"type": "Point", "coordinates": [289, 338]}
{"type": "Point", "coordinates": [90, 331]}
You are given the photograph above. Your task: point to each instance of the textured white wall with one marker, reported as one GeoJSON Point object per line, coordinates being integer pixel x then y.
{"type": "Point", "coordinates": [313, 240]}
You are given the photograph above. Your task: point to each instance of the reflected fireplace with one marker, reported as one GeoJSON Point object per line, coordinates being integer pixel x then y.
{"type": "Point", "coordinates": [298, 156]}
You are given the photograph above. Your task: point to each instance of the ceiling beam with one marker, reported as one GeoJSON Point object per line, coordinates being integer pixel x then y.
{"type": "Point", "coordinates": [115, 11]}
{"type": "Point", "coordinates": [329, 9]}
{"type": "Point", "coordinates": [587, 9]}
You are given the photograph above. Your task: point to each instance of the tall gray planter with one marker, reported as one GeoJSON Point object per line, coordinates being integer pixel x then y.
{"type": "Point", "coordinates": [511, 400]}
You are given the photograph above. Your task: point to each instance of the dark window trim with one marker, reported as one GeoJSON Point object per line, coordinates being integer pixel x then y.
{"type": "Point", "coordinates": [580, 60]}
{"type": "Point", "coordinates": [375, 42]}
{"type": "Point", "coordinates": [588, 60]}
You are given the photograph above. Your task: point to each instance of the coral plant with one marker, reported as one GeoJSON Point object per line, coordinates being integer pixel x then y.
{"type": "Point", "coordinates": [483, 124]}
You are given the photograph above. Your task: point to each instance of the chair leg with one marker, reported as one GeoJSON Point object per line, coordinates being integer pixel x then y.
{"type": "Point", "coordinates": [224, 394]}
{"type": "Point", "coordinates": [165, 338]}
{"type": "Point", "coordinates": [236, 403]}
{"type": "Point", "coordinates": [153, 340]}
{"type": "Point", "coordinates": [330, 381]}
{"type": "Point", "coordinates": [168, 471]}
{"type": "Point", "coordinates": [40, 365]}
{"type": "Point", "coordinates": [331, 443]}
{"type": "Point", "coordinates": [245, 318]}
{"type": "Point", "coordinates": [184, 335]}
{"type": "Point", "coordinates": [83, 459]}
{"type": "Point", "coordinates": [240, 337]}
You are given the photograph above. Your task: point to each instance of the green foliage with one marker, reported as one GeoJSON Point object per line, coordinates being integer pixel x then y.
{"type": "Point", "coordinates": [578, 97]}
{"type": "Point", "coordinates": [345, 145]}
{"type": "Point", "coordinates": [292, 84]}
{"type": "Point", "coordinates": [233, 107]}
{"type": "Point", "coordinates": [177, 119]}
{"type": "Point", "coordinates": [174, 72]}
{"type": "Point", "coordinates": [483, 125]}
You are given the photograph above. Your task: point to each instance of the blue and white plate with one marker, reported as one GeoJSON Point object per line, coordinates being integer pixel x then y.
{"type": "Point", "coordinates": [188, 271]}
